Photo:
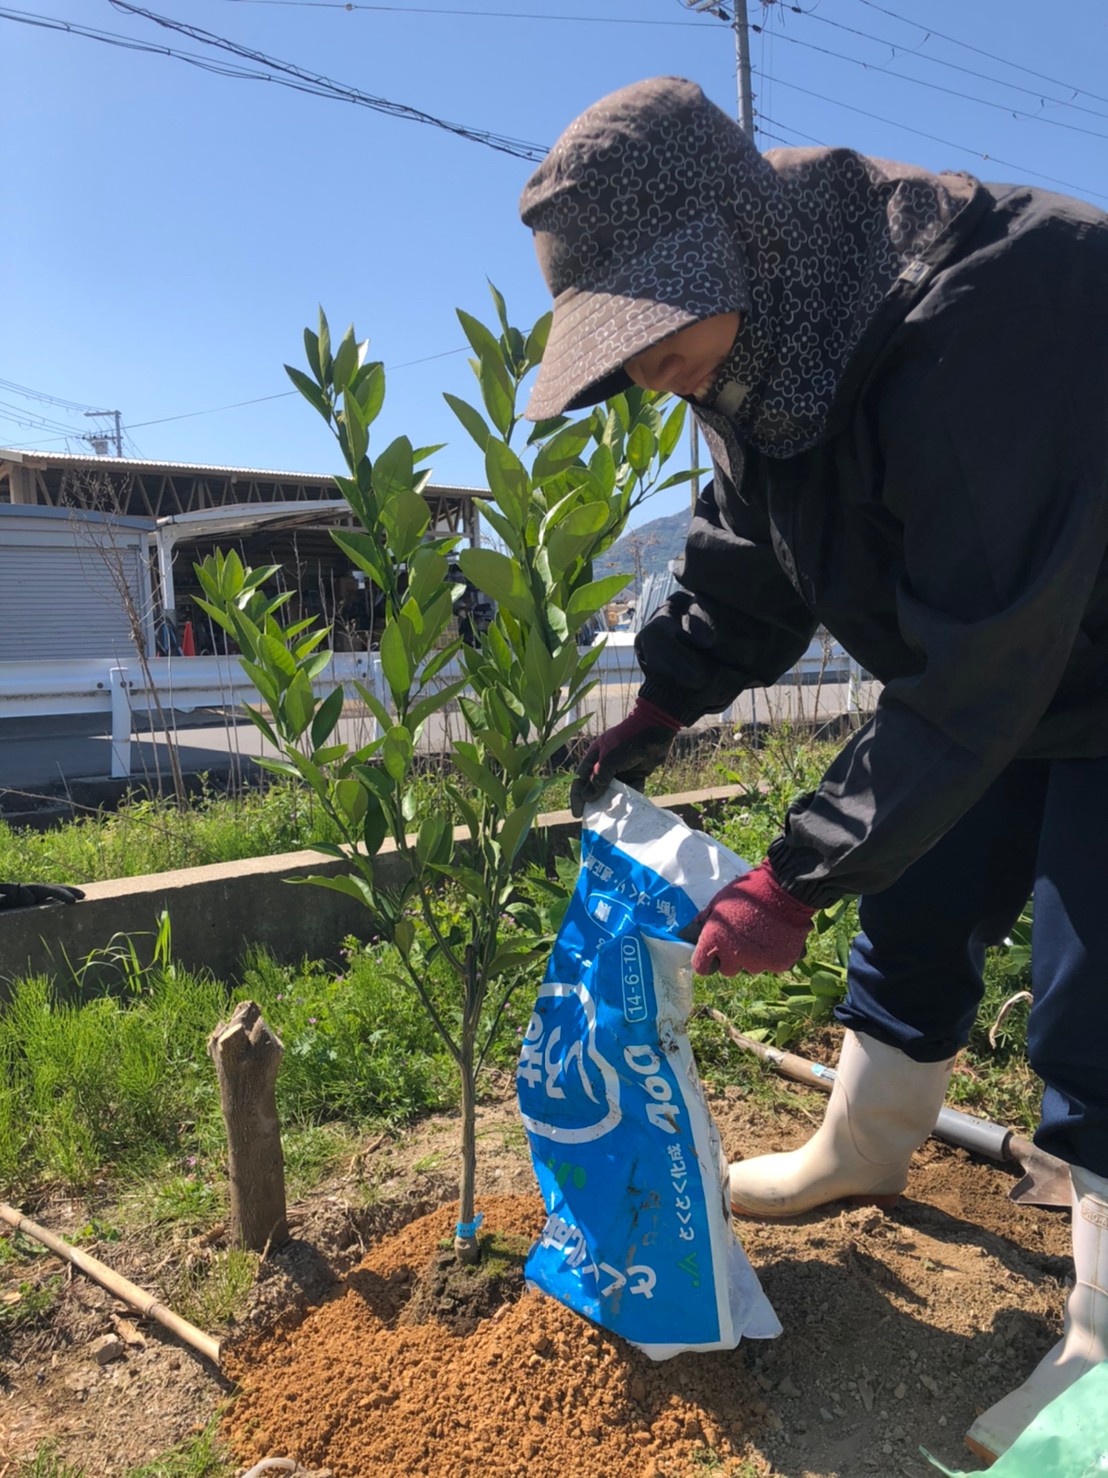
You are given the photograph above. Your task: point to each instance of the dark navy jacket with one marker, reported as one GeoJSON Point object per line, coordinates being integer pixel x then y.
{"type": "Point", "coordinates": [949, 530]}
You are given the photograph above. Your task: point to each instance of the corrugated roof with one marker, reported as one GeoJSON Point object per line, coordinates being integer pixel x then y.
{"type": "Point", "coordinates": [192, 469]}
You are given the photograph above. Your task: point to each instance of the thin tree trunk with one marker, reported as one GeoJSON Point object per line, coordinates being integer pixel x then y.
{"type": "Point", "coordinates": [246, 1056]}
{"type": "Point", "coordinates": [465, 1242]}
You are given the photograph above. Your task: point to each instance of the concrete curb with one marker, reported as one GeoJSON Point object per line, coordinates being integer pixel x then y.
{"type": "Point", "coordinates": [217, 912]}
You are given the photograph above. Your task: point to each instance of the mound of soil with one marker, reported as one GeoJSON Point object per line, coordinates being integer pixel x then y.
{"type": "Point", "coordinates": [899, 1327]}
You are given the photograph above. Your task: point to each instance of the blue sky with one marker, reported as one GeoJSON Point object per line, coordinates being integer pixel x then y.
{"type": "Point", "coordinates": [168, 232]}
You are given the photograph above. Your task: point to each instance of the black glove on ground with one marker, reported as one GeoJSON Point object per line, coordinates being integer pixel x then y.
{"type": "Point", "coordinates": [629, 752]}
{"type": "Point", "coordinates": [31, 895]}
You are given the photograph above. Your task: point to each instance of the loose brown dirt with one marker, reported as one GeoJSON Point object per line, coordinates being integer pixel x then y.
{"type": "Point", "coordinates": [898, 1328]}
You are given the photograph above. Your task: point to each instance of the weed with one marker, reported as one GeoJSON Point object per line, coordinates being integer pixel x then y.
{"type": "Point", "coordinates": [215, 1291]}
{"type": "Point", "coordinates": [187, 1201]}
{"type": "Point", "coordinates": [202, 1457]}
{"type": "Point", "coordinates": [28, 1304]}
{"type": "Point", "coordinates": [312, 1151]}
{"type": "Point", "coordinates": [47, 1464]}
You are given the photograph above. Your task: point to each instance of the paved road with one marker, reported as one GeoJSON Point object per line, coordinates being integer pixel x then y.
{"type": "Point", "coordinates": [47, 755]}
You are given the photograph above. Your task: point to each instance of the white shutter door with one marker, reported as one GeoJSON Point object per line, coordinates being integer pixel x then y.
{"type": "Point", "coordinates": [58, 602]}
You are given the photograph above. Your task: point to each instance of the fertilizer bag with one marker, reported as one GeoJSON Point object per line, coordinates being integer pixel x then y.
{"type": "Point", "coordinates": [638, 1235]}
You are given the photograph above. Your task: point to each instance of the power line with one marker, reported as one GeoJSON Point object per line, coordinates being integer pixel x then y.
{"type": "Point", "coordinates": [284, 74]}
{"type": "Point", "coordinates": [980, 51]}
{"type": "Point", "coordinates": [43, 396]}
{"type": "Point", "coordinates": [505, 144]}
{"type": "Point", "coordinates": [773, 123]}
{"type": "Point", "coordinates": [934, 138]}
{"type": "Point", "coordinates": [924, 56]}
{"type": "Point", "coordinates": [235, 405]}
{"type": "Point", "coordinates": [938, 87]}
{"type": "Point", "coordinates": [513, 15]}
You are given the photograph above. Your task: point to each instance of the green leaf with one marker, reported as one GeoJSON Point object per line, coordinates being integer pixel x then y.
{"type": "Point", "coordinates": [393, 470]}
{"type": "Point", "coordinates": [501, 308]}
{"type": "Point", "coordinates": [325, 363]}
{"type": "Point", "coordinates": [368, 388]}
{"type": "Point", "coordinates": [497, 393]}
{"type": "Point", "coordinates": [364, 550]}
{"type": "Point", "coordinates": [468, 760]}
{"type": "Point", "coordinates": [508, 482]}
{"type": "Point", "coordinates": [262, 723]}
{"type": "Point", "coordinates": [429, 838]}
{"type": "Point", "coordinates": [514, 831]}
{"type": "Point", "coordinates": [471, 418]}
{"type": "Point", "coordinates": [353, 887]}
{"type": "Point", "coordinates": [442, 658]}
{"type": "Point", "coordinates": [351, 800]}
{"type": "Point", "coordinates": [593, 597]}
{"type": "Point", "coordinates": [500, 578]}
{"type": "Point", "coordinates": [357, 437]}
{"type": "Point", "coordinates": [394, 659]}
{"type": "Point", "coordinates": [482, 339]}
{"type": "Point", "coordinates": [346, 360]}
{"type": "Point", "coordinates": [535, 347]}
{"type": "Point", "coordinates": [375, 823]}
{"type": "Point", "coordinates": [465, 808]}
{"type": "Point", "coordinates": [516, 957]}
{"type": "Point", "coordinates": [679, 477]}
{"type": "Point", "coordinates": [298, 703]}
{"type": "Point", "coordinates": [640, 448]}
{"type": "Point", "coordinates": [263, 682]}
{"type": "Point", "coordinates": [561, 451]}
{"type": "Point", "coordinates": [374, 704]}
{"type": "Point", "coordinates": [276, 657]}
{"type": "Point", "coordinates": [327, 716]}
{"type": "Point", "coordinates": [406, 516]}
{"type": "Point", "coordinates": [310, 391]}
{"type": "Point", "coordinates": [311, 349]}
{"type": "Point", "coordinates": [602, 465]}
{"type": "Point", "coordinates": [396, 752]}
{"type": "Point", "coordinates": [671, 430]}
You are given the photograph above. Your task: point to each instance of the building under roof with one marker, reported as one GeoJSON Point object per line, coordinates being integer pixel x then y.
{"type": "Point", "coordinates": [268, 517]}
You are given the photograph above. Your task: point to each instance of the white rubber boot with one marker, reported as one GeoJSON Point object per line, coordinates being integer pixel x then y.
{"type": "Point", "coordinates": [1084, 1341]}
{"type": "Point", "coordinates": [882, 1107]}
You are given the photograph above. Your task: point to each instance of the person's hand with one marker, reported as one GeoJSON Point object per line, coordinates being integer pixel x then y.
{"type": "Point", "coordinates": [752, 924]}
{"type": "Point", "coordinates": [31, 895]}
{"type": "Point", "coordinates": [629, 752]}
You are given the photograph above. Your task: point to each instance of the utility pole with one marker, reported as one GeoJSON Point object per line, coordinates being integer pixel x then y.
{"type": "Point", "coordinates": [737, 20]}
{"type": "Point", "coordinates": [118, 437]}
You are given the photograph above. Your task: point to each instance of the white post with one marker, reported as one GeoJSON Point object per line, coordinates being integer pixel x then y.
{"type": "Point", "coordinates": [121, 724]}
{"type": "Point", "coordinates": [164, 541]}
{"type": "Point", "coordinates": [380, 692]}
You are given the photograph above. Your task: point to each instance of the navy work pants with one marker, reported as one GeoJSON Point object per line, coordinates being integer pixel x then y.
{"type": "Point", "coordinates": [915, 969]}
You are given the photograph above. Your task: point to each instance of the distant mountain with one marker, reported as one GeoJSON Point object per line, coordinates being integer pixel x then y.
{"type": "Point", "coordinates": [647, 549]}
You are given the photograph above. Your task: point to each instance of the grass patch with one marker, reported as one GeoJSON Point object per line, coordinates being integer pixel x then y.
{"type": "Point", "coordinates": [214, 1291]}
{"type": "Point", "coordinates": [47, 1464]}
{"type": "Point", "coordinates": [202, 1456]}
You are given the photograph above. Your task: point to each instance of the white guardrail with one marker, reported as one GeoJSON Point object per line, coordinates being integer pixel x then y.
{"type": "Point", "coordinates": [119, 690]}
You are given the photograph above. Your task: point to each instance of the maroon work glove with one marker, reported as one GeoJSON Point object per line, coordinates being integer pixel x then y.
{"type": "Point", "coordinates": [629, 752]}
{"type": "Point", "coordinates": [752, 924]}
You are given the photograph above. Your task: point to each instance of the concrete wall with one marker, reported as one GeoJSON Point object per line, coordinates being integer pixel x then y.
{"type": "Point", "coordinates": [216, 912]}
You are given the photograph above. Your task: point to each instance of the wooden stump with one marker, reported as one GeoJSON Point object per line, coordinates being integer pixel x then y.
{"type": "Point", "coordinates": [246, 1056]}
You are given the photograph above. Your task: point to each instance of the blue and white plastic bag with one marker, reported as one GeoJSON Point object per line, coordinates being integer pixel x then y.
{"type": "Point", "coordinates": [638, 1235]}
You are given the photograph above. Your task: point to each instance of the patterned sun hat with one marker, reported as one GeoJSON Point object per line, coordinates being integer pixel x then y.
{"type": "Point", "coordinates": [630, 237]}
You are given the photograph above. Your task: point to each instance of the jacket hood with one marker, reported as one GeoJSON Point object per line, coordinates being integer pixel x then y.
{"type": "Point", "coordinates": [654, 210]}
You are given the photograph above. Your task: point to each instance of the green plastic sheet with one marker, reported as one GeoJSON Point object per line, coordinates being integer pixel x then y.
{"type": "Point", "coordinates": [1068, 1438]}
